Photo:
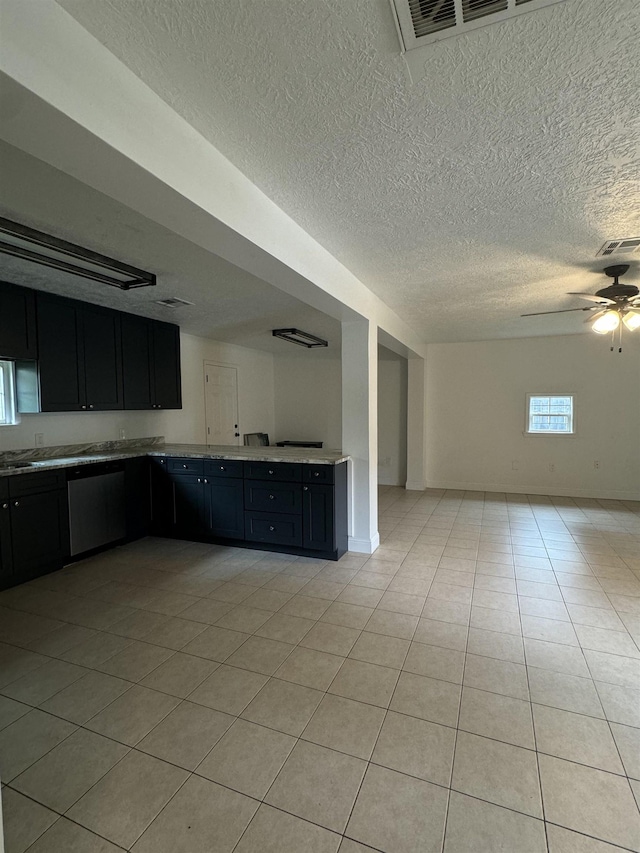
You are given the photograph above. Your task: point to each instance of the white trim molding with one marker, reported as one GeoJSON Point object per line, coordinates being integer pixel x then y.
{"type": "Point", "coordinates": [364, 546]}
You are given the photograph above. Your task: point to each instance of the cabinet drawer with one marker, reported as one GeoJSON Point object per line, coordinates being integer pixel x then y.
{"type": "Point", "coordinates": [222, 468]}
{"type": "Point", "coordinates": [318, 473]}
{"type": "Point", "coordinates": [31, 484]}
{"type": "Point", "coordinates": [272, 497]}
{"type": "Point", "coordinates": [282, 471]}
{"type": "Point", "coordinates": [279, 530]}
{"type": "Point", "coordinates": [185, 466]}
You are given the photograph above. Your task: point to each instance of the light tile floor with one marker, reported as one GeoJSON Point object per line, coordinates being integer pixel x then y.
{"type": "Point", "coordinates": [472, 687]}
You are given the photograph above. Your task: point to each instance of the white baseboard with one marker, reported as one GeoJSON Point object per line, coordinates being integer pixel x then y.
{"type": "Point", "coordinates": [388, 481]}
{"type": "Point", "coordinates": [415, 485]}
{"type": "Point", "coordinates": [514, 489]}
{"type": "Point", "coordinates": [364, 546]}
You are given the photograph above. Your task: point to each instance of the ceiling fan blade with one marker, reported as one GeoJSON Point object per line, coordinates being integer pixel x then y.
{"type": "Point", "coordinates": [592, 298]}
{"type": "Point", "coordinates": [561, 311]}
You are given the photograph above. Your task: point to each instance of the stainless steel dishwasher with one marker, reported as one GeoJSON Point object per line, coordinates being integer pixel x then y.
{"type": "Point", "coordinates": [96, 505]}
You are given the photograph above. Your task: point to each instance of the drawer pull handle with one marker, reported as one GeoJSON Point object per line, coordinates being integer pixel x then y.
{"type": "Point", "coordinates": [199, 480]}
{"type": "Point", "coordinates": [91, 405]}
{"type": "Point", "coordinates": [270, 471]}
{"type": "Point", "coordinates": [305, 488]}
{"type": "Point", "coordinates": [271, 527]}
{"type": "Point", "coordinates": [185, 466]}
{"type": "Point", "coordinates": [205, 480]}
{"type": "Point", "coordinates": [83, 407]}
{"type": "Point", "coordinates": [272, 497]}
{"type": "Point", "coordinates": [222, 468]}
{"type": "Point", "coordinates": [5, 506]}
{"type": "Point", "coordinates": [16, 503]}
{"type": "Point", "coordinates": [316, 473]}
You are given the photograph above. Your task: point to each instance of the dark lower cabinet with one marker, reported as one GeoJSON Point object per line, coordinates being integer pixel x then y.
{"type": "Point", "coordinates": [225, 507]}
{"type": "Point", "coordinates": [318, 517]}
{"type": "Point", "coordinates": [137, 487]}
{"type": "Point", "coordinates": [298, 517]}
{"type": "Point", "coordinates": [189, 505]}
{"type": "Point", "coordinates": [34, 527]}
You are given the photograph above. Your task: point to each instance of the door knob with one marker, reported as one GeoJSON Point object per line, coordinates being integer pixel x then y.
{"type": "Point", "coordinates": [305, 488]}
{"type": "Point", "coordinates": [16, 503]}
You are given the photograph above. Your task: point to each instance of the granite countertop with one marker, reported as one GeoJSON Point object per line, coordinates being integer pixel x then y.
{"type": "Point", "coordinates": [71, 456]}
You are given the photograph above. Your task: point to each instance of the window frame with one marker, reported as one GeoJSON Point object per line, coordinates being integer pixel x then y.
{"type": "Point", "coordinates": [8, 393]}
{"type": "Point", "coordinates": [528, 414]}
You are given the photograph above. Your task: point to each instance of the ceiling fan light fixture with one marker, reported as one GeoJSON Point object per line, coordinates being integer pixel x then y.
{"type": "Point", "coordinates": [608, 322]}
{"type": "Point", "coordinates": [631, 320]}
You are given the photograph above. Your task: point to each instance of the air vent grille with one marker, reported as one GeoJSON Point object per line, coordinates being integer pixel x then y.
{"type": "Point", "coordinates": [423, 21]}
{"type": "Point", "coordinates": [172, 302]}
{"type": "Point", "coordinates": [624, 246]}
{"type": "Point", "coordinates": [430, 16]}
{"type": "Point", "coordinates": [472, 9]}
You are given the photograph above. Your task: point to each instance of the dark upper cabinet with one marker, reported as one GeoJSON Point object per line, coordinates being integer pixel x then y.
{"type": "Point", "coordinates": [102, 358]}
{"type": "Point", "coordinates": [60, 354]}
{"type": "Point", "coordinates": [166, 366]}
{"type": "Point", "coordinates": [151, 359]}
{"type": "Point", "coordinates": [80, 359]}
{"type": "Point", "coordinates": [17, 322]}
{"type": "Point", "coordinates": [137, 360]}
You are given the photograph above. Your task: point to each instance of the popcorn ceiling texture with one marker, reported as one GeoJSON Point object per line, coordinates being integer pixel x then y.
{"type": "Point", "coordinates": [492, 181]}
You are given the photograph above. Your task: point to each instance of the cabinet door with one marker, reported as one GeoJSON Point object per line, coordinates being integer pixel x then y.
{"type": "Point", "coordinates": [6, 567]}
{"type": "Point", "coordinates": [39, 534]}
{"type": "Point", "coordinates": [136, 362]}
{"type": "Point", "coordinates": [161, 498]}
{"type": "Point", "coordinates": [60, 356]}
{"type": "Point", "coordinates": [137, 497]}
{"type": "Point", "coordinates": [317, 518]}
{"type": "Point", "coordinates": [102, 358]}
{"type": "Point", "coordinates": [189, 509]}
{"type": "Point", "coordinates": [17, 322]}
{"type": "Point", "coordinates": [166, 366]}
{"type": "Point", "coordinates": [225, 507]}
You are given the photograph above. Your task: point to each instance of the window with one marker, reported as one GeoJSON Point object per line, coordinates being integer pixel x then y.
{"type": "Point", "coordinates": [550, 415]}
{"type": "Point", "coordinates": [7, 402]}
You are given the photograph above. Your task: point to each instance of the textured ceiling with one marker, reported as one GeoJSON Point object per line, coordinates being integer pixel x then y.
{"type": "Point", "coordinates": [464, 199]}
{"type": "Point", "coordinates": [230, 304]}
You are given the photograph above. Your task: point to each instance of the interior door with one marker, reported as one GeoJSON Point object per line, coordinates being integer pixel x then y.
{"type": "Point", "coordinates": [221, 404]}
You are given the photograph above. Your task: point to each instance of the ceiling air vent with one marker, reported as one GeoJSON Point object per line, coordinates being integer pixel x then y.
{"type": "Point", "coordinates": [172, 302]}
{"type": "Point", "coordinates": [423, 21]}
{"type": "Point", "coordinates": [619, 247]}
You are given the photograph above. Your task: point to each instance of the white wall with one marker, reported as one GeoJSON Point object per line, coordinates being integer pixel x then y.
{"type": "Point", "coordinates": [186, 425]}
{"type": "Point", "coordinates": [308, 399]}
{"type": "Point", "coordinates": [392, 418]}
{"type": "Point", "coordinates": [476, 415]}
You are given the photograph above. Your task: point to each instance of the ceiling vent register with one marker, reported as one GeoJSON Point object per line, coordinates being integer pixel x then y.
{"type": "Point", "coordinates": [423, 21]}
{"type": "Point", "coordinates": [619, 246]}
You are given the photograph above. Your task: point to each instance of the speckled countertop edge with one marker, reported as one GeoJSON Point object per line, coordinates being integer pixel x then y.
{"type": "Point", "coordinates": [303, 455]}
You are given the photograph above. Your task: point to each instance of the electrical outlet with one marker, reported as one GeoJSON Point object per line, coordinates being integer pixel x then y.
{"type": "Point", "coordinates": [122, 432]}
{"type": "Point", "coordinates": [552, 466]}
{"type": "Point", "coordinates": [596, 464]}
{"type": "Point", "coordinates": [39, 439]}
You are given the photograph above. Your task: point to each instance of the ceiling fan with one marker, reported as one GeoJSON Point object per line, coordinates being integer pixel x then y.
{"type": "Point", "coordinates": [614, 304]}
